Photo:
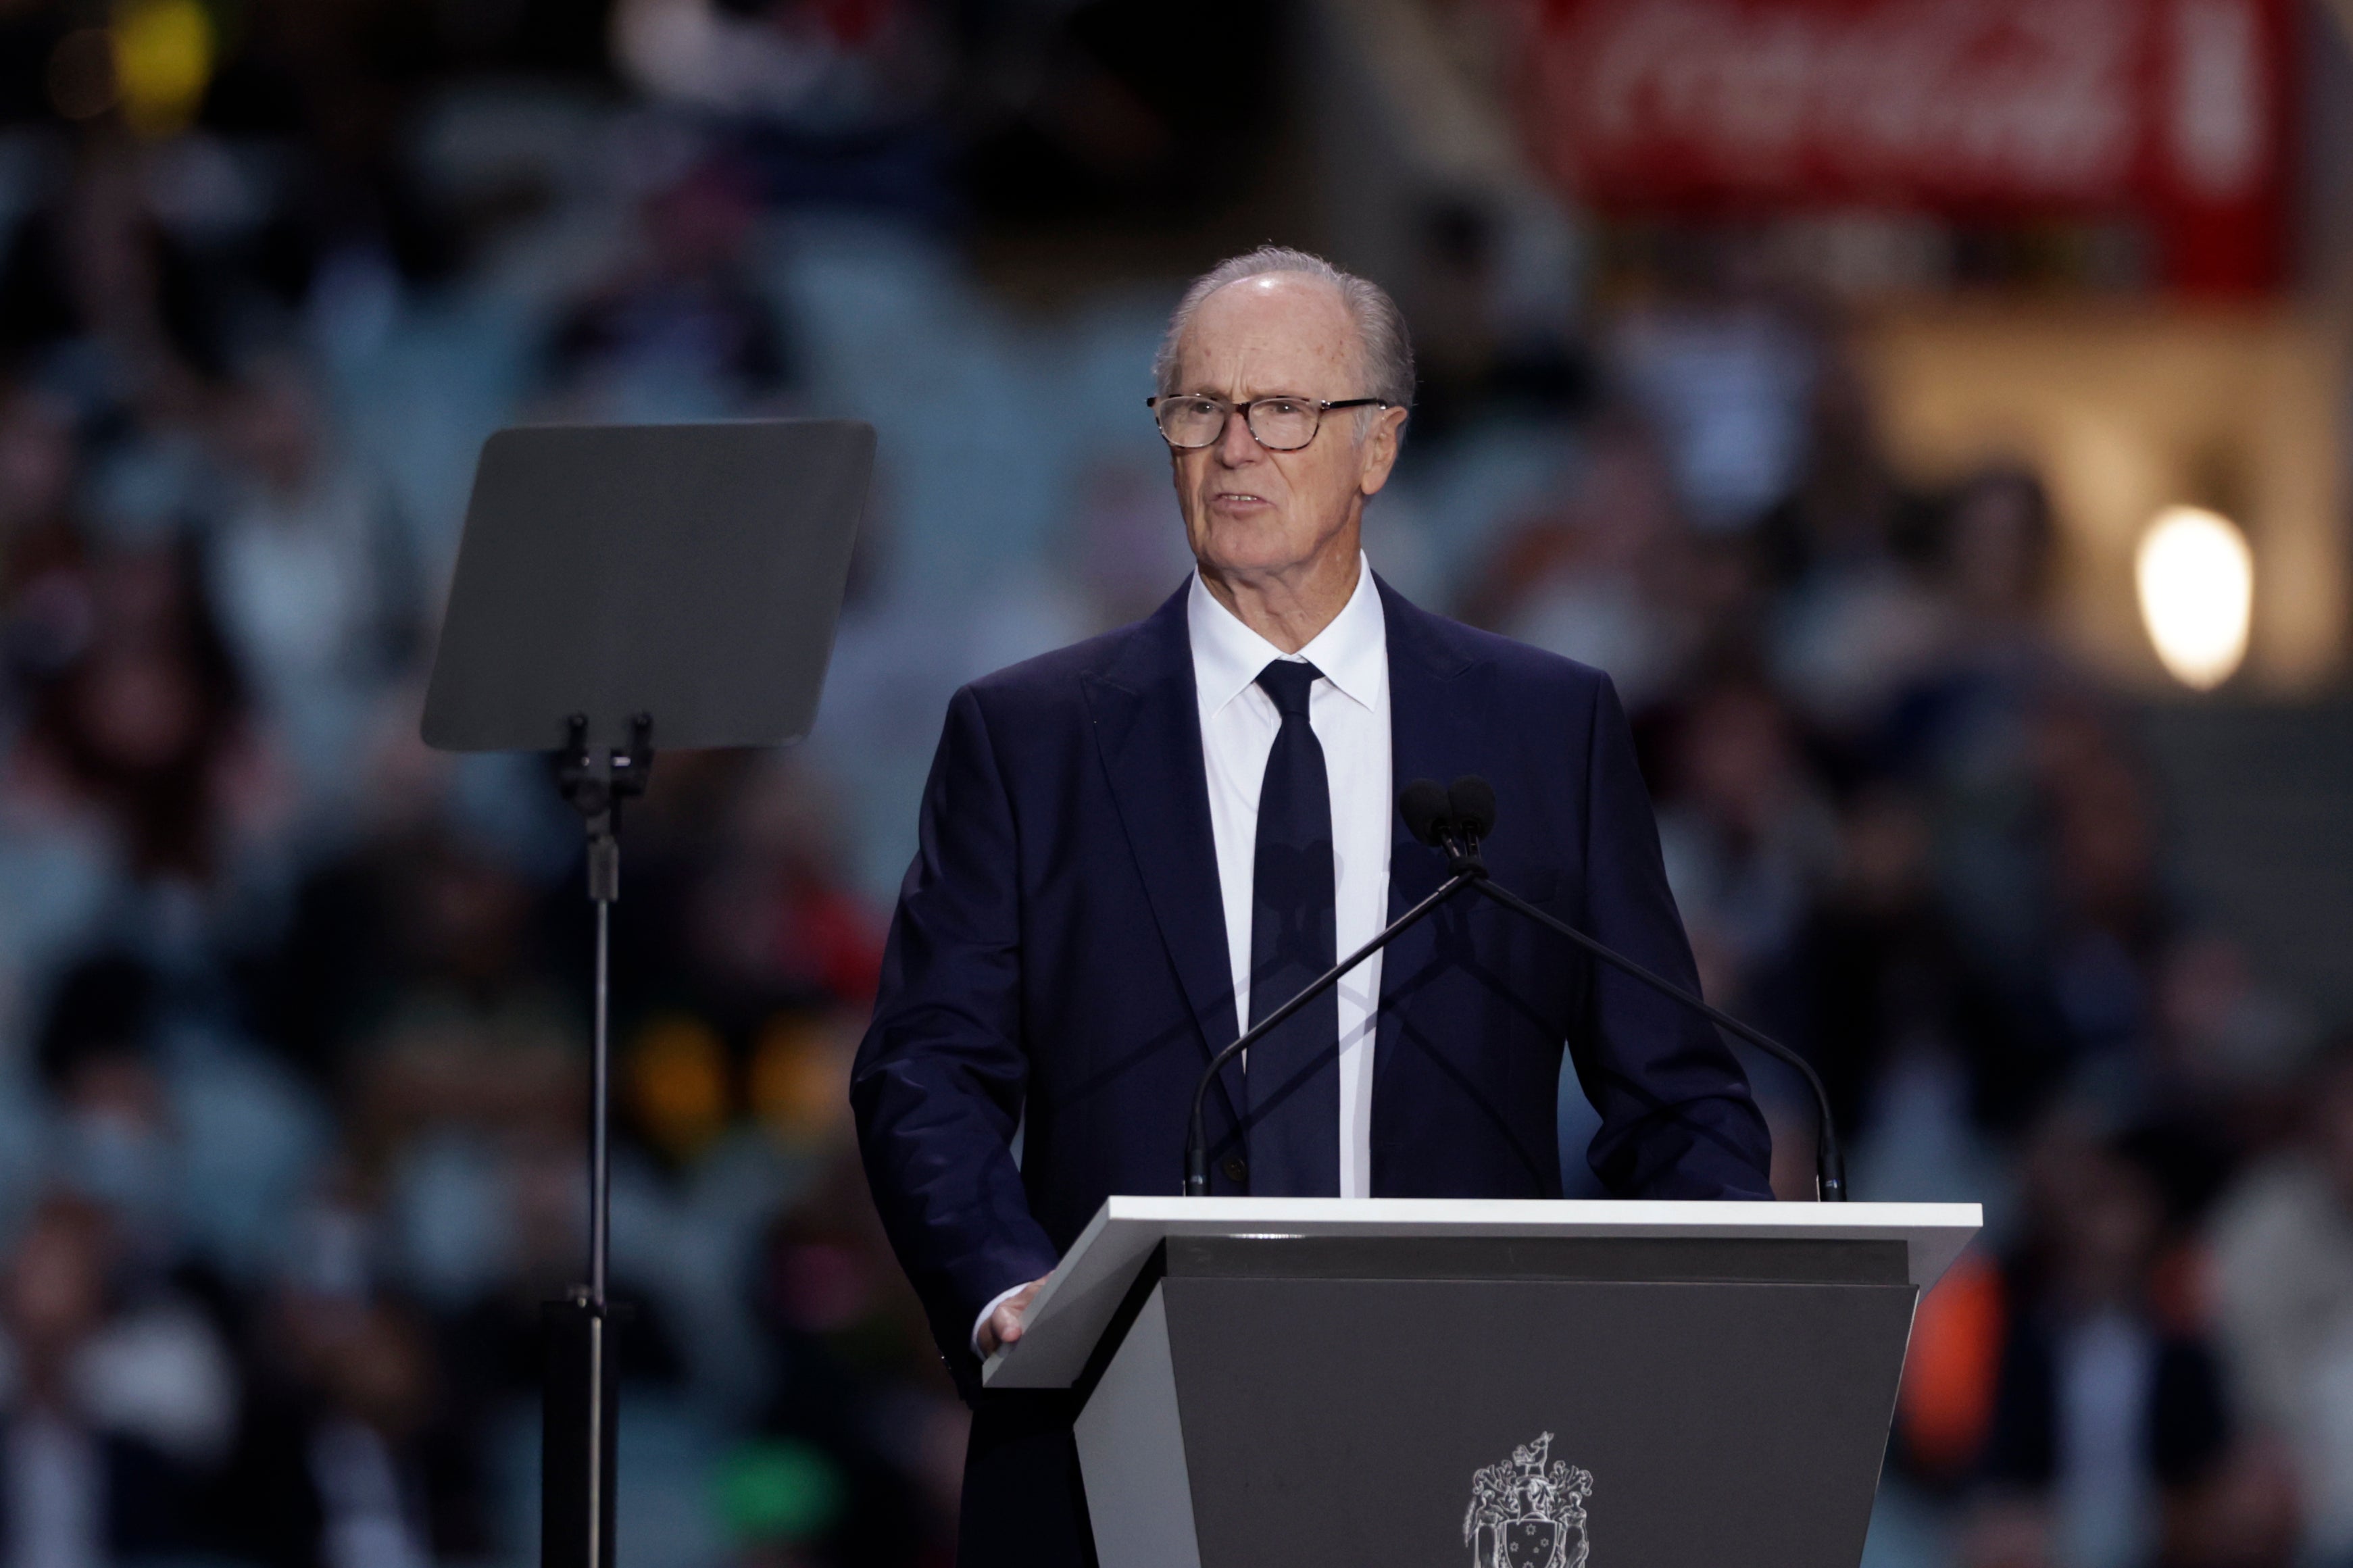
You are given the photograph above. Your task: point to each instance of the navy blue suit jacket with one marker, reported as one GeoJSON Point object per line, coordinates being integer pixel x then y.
{"type": "Point", "coordinates": [1060, 952]}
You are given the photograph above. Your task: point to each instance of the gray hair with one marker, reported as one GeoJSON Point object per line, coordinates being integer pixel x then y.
{"type": "Point", "coordinates": [1386, 348]}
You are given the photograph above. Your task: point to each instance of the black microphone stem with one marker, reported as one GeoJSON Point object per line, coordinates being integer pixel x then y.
{"type": "Point", "coordinates": [1196, 1139]}
{"type": "Point", "coordinates": [1830, 1165]}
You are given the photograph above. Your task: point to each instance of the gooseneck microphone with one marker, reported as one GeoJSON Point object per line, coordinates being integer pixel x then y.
{"type": "Point", "coordinates": [1454, 819]}
{"type": "Point", "coordinates": [1196, 1138]}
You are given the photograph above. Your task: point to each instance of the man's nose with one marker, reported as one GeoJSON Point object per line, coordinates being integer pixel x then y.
{"type": "Point", "coordinates": [1236, 445]}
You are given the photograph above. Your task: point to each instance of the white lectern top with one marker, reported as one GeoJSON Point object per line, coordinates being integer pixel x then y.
{"type": "Point", "coordinates": [1080, 1298]}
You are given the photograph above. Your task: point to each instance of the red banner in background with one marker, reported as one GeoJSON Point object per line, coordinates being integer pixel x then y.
{"type": "Point", "coordinates": [2175, 112]}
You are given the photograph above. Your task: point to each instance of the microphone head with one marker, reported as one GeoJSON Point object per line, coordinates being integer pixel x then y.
{"type": "Point", "coordinates": [1471, 801]}
{"type": "Point", "coordinates": [1423, 805]}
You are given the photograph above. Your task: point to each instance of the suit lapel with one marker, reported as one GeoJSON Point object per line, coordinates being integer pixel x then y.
{"type": "Point", "coordinates": [1439, 701]}
{"type": "Point", "coordinates": [1438, 726]}
{"type": "Point", "coordinates": [1148, 728]}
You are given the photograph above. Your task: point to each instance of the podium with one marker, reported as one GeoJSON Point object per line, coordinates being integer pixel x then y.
{"type": "Point", "coordinates": [1503, 1385]}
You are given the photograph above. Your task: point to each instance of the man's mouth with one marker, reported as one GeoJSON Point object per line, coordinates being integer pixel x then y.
{"type": "Point", "coordinates": [1239, 498]}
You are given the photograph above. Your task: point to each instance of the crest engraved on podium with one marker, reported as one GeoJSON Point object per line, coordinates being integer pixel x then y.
{"type": "Point", "coordinates": [1524, 1510]}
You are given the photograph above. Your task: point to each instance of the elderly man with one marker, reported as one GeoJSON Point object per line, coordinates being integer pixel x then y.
{"type": "Point", "coordinates": [1132, 847]}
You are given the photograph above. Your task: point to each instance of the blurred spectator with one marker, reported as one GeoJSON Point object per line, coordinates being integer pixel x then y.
{"type": "Point", "coordinates": [1749, 840]}
{"type": "Point", "coordinates": [1855, 625]}
{"type": "Point", "coordinates": [1724, 375]}
{"type": "Point", "coordinates": [142, 736]}
{"type": "Point", "coordinates": [114, 1142]}
{"type": "Point", "coordinates": [2109, 917]}
{"type": "Point", "coordinates": [830, 69]}
{"type": "Point", "coordinates": [2110, 1416]}
{"type": "Point", "coordinates": [1883, 978]}
{"type": "Point", "coordinates": [1127, 540]}
{"type": "Point", "coordinates": [862, 1385]}
{"type": "Point", "coordinates": [2231, 1052]}
{"type": "Point", "coordinates": [415, 921]}
{"type": "Point", "coordinates": [349, 1457]}
{"type": "Point", "coordinates": [1492, 311]}
{"type": "Point", "coordinates": [1598, 580]}
{"type": "Point", "coordinates": [38, 541]}
{"type": "Point", "coordinates": [318, 585]}
{"type": "Point", "coordinates": [678, 328]}
{"type": "Point", "coordinates": [1999, 555]}
{"type": "Point", "coordinates": [2283, 1273]}
{"type": "Point", "coordinates": [2043, 830]}
{"type": "Point", "coordinates": [770, 911]}
{"type": "Point", "coordinates": [113, 1418]}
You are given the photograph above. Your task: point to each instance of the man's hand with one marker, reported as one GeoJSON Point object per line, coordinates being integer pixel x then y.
{"type": "Point", "coordinates": [1004, 1325]}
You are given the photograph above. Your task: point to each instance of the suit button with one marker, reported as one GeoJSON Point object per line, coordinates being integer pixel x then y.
{"type": "Point", "coordinates": [1237, 1171]}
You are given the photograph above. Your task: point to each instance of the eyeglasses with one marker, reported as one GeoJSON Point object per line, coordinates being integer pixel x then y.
{"type": "Point", "coordinates": [1191, 420]}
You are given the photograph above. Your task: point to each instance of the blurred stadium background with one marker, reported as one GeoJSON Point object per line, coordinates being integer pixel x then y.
{"type": "Point", "coordinates": [1832, 372]}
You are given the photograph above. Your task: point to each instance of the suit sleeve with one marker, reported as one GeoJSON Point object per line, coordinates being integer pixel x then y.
{"type": "Point", "coordinates": [1677, 1119]}
{"type": "Point", "coordinates": [938, 1082]}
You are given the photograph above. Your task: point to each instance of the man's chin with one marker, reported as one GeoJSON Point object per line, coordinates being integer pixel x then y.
{"type": "Point", "coordinates": [1254, 569]}
{"type": "Point", "coordinates": [1264, 558]}
{"type": "Point", "coordinates": [1253, 547]}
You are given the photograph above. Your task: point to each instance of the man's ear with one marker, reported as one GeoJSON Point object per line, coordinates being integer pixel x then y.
{"type": "Point", "coordinates": [1380, 451]}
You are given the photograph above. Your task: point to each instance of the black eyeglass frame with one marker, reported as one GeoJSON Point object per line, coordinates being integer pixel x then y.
{"type": "Point", "coordinates": [1321, 407]}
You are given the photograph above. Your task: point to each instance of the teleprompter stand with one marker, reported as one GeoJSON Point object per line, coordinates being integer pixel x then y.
{"type": "Point", "coordinates": [617, 585]}
{"type": "Point", "coordinates": [1397, 1383]}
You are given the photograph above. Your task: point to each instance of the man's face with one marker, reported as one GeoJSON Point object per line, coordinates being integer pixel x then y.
{"type": "Point", "coordinates": [1250, 512]}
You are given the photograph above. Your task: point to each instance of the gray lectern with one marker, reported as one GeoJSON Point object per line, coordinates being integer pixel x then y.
{"type": "Point", "coordinates": [1356, 1384]}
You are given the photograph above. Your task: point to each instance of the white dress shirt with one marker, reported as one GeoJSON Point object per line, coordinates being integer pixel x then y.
{"type": "Point", "coordinates": [1349, 711]}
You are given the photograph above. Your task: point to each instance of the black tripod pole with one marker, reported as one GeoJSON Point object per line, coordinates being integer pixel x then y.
{"type": "Point", "coordinates": [579, 1398]}
{"type": "Point", "coordinates": [604, 887]}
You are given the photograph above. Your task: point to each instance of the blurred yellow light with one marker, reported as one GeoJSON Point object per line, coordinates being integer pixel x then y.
{"type": "Point", "coordinates": [677, 1084]}
{"type": "Point", "coordinates": [2197, 581]}
{"type": "Point", "coordinates": [799, 1085]}
{"type": "Point", "coordinates": [163, 62]}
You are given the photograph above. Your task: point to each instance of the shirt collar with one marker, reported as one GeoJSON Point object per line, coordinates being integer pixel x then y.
{"type": "Point", "coordinates": [1352, 651]}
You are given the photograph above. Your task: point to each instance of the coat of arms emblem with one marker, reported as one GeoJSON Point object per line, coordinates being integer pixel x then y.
{"type": "Point", "coordinates": [1524, 1512]}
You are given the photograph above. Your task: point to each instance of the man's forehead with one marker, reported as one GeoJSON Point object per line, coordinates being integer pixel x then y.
{"type": "Point", "coordinates": [1284, 313]}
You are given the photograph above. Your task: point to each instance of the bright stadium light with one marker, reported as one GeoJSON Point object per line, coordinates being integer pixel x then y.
{"type": "Point", "coordinates": [2197, 585]}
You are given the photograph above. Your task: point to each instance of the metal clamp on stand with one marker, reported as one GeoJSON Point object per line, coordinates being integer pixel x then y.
{"type": "Point", "coordinates": [597, 793]}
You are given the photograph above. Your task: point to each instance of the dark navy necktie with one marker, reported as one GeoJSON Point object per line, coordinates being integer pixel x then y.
{"type": "Point", "coordinates": [1294, 1073]}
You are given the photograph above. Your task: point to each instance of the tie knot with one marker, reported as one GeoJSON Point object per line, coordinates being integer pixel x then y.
{"type": "Point", "coordinates": [1287, 681]}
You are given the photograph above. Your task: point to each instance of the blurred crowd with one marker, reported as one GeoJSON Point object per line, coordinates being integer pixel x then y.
{"type": "Point", "coordinates": [292, 1079]}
